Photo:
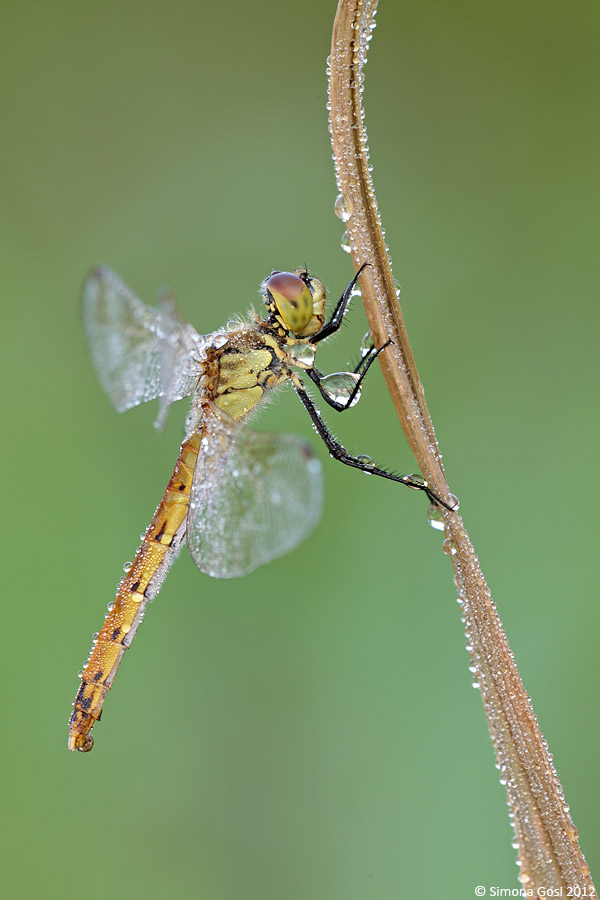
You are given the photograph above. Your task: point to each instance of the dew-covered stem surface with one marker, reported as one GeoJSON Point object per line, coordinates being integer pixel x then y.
{"type": "Point", "coordinates": [367, 239]}
{"type": "Point", "coordinates": [549, 854]}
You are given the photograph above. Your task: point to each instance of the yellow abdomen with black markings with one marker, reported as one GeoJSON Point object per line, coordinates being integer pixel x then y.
{"type": "Point", "coordinates": [238, 377]}
{"type": "Point", "coordinates": [159, 546]}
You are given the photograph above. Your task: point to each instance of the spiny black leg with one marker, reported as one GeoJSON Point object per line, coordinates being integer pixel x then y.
{"type": "Point", "coordinates": [363, 360]}
{"type": "Point", "coordinates": [337, 451]}
{"type": "Point", "coordinates": [366, 362]}
{"type": "Point", "coordinates": [338, 314]}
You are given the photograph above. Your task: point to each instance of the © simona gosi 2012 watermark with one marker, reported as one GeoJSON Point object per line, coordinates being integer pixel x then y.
{"type": "Point", "coordinates": [493, 890]}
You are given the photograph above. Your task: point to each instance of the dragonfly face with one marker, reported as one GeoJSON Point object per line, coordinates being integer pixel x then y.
{"type": "Point", "coordinates": [296, 301]}
{"type": "Point", "coordinates": [238, 498]}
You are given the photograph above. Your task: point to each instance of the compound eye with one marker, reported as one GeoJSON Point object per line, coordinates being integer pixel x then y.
{"type": "Point", "coordinates": [292, 298]}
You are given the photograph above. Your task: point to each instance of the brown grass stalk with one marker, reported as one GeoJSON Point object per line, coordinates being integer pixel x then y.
{"type": "Point", "coordinates": [548, 847]}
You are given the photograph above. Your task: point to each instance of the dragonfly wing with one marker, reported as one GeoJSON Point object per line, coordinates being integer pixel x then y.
{"type": "Point", "coordinates": [181, 351]}
{"type": "Point", "coordinates": [135, 347]}
{"type": "Point", "coordinates": [255, 497]}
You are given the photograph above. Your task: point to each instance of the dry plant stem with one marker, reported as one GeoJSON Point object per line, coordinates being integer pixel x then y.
{"type": "Point", "coordinates": [549, 853]}
{"type": "Point", "coordinates": [368, 245]}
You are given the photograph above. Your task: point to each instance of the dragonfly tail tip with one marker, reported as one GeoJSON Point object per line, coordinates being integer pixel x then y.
{"type": "Point", "coordinates": [81, 742]}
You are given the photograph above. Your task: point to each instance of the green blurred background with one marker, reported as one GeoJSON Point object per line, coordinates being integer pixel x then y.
{"type": "Point", "coordinates": [308, 732]}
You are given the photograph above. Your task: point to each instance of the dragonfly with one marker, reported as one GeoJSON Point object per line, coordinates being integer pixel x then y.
{"type": "Point", "coordinates": [238, 497]}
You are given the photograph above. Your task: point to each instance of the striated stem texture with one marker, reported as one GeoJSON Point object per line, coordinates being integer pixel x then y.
{"type": "Point", "coordinates": [549, 854]}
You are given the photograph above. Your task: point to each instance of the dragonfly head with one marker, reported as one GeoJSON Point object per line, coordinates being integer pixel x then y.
{"type": "Point", "coordinates": [296, 301]}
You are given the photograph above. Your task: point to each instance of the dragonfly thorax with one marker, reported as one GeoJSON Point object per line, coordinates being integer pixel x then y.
{"type": "Point", "coordinates": [295, 301]}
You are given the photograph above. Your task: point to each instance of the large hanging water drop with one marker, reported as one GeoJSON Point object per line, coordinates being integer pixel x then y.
{"type": "Point", "coordinates": [340, 386]}
{"type": "Point", "coordinates": [435, 517]}
{"type": "Point", "coordinates": [342, 208]}
{"type": "Point", "coordinates": [366, 345]}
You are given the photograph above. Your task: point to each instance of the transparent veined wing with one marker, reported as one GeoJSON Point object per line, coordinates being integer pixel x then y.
{"type": "Point", "coordinates": [139, 352]}
{"type": "Point", "coordinates": [181, 350]}
{"type": "Point", "coordinates": [255, 496]}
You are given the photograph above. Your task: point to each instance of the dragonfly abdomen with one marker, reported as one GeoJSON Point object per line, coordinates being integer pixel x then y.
{"type": "Point", "coordinates": [160, 545]}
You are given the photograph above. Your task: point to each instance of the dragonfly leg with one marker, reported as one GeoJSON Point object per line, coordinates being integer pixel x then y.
{"type": "Point", "coordinates": [365, 363]}
{"type": "Point", "coordinates": [365, 464]}
{"type": "Point", "coordinates": [339, 312]}
{"type": "Point", "coordinates": [371, 354]}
